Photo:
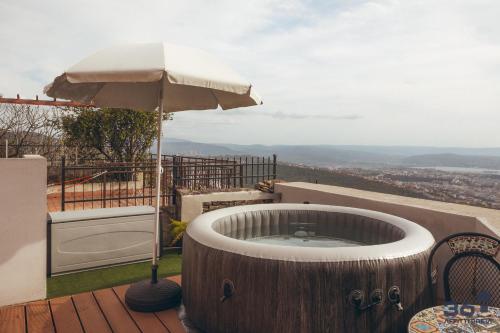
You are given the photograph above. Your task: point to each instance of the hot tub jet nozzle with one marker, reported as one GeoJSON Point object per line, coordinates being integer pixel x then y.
{"type": "Point", "coordinates": [227, 290]}
{"type": "Point", "coordinates": [356, 298]}
{"type": "Point", "coordinates": [394, 296]}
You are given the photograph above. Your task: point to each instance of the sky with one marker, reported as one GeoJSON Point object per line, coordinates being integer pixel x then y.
{"type": "Point", "coordinates": [386, 72]}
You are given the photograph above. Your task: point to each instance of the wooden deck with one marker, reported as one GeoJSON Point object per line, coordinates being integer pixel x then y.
{"type": "Point", "coordinates": [97, 311]}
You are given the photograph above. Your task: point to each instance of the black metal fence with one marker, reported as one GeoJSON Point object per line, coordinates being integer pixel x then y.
{"type": "Point", "coordinates": [100, 184]}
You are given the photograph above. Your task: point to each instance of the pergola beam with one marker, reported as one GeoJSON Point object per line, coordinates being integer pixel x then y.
{"type": "Point", "coordinates": [37, 101]}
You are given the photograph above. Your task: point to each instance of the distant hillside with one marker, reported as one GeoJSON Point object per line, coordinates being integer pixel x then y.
{"type": "Point", "coordinates": [324, 156]}
{"type": "Point", "coordinates": [453, 160]}
{"type": "Point", "coordinates": [327, 177]}
{"type": "Point", "coordinates": [349, 156]}
{"type": "Point", "coordinates": [194, 148]}
{"type": "Point", "coordinates": [422, 150]}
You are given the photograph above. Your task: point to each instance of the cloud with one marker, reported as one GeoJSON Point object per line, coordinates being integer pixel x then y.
{"type": "Point", "coordinates": [286, 115]}
{"type": "Point", "coordinates": [420, 72]}
{"type": "Point", "coordinates": [283, 115]}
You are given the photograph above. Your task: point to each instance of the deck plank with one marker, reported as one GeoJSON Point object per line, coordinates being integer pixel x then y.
{"type": "Point", "coordinates": [12, 319]}
{"type": "Point", "coordinates": [91, 317]}
{"type": "Point", "coordinates": [118, 318]}
{"type": "Point", "coordinates": [65, 316]}
{"type": "Point", "coordinates": [147, 322]}
{"type": "Point", "coordinates": [39, 318]}
{"type": "Point", "coordinates": [170, 318]}
{"type": "Point", "coordinates": [175, 278]}
{"type": "Point", "coordinates": [98, 311]}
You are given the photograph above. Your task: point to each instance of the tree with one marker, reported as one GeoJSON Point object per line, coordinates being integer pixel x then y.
{"type": "Point", "coordinates": [29, 129]}
{"type": "Point", "coordinates": [119, 135]}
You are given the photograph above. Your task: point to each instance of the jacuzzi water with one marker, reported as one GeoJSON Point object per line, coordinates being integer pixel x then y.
{"type": "Point", "coordinates": [305, 241]}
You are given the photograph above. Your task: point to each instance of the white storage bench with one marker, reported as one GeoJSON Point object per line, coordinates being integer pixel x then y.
{"type": "Point", "coordinates": [85, 239]}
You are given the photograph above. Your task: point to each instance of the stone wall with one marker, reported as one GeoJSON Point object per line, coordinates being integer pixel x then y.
{"type": "Point", "coordinates": [213, 205]}
{"type": "Point", "coordinates": [189, 206]}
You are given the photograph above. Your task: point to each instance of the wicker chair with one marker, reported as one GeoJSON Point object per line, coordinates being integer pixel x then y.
{"type": "Point", "coordinates": [472, 271]}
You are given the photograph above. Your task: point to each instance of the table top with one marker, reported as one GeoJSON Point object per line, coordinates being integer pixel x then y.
{"type": "Point", "coordinates": [456, 318]}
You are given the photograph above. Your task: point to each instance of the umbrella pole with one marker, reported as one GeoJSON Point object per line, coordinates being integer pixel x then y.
{"type": "Point", "coordinates": [155, 295]}
{"type": "Point", "coordinates": [154, 266]}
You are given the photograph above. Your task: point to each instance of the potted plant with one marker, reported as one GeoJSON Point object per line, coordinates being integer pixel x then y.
{"type": "Point", "coordinates": [177, 231]}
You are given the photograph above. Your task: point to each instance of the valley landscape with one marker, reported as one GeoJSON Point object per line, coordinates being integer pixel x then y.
{"type": "Point", "coordinates": [459, 175]}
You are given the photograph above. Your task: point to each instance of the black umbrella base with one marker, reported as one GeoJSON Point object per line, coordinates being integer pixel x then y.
{"type": "Point", "coordinates": [147, 296]}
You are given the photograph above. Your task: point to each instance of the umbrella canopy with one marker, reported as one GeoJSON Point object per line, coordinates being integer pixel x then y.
{"type": "Point", "coordinates": [146, 77]}
{"type": "Point", "coordinates": [134, 75]}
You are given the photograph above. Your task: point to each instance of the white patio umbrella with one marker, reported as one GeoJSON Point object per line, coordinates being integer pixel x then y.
{"type": "Point", "coordinates": [153, 76]}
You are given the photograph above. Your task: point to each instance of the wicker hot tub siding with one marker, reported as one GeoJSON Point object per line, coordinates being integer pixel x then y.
{"type": "Point", "coordinates": [302, 289]}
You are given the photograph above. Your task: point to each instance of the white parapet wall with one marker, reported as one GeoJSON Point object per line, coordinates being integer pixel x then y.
{"type": "Point", "coordinates": [440, 218]}
{"type": "Point", "coordinates": [23, 229]}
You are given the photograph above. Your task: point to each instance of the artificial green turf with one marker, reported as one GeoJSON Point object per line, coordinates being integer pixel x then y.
{"type": "Point", "coordinates": [170, 264]}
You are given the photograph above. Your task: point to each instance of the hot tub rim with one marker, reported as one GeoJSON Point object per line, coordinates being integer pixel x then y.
{"type": "Point", "coordinates": [417, 239]}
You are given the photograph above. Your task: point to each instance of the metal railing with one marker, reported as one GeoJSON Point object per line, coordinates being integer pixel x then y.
{"type": "Point", "coordinates": [101, 184]}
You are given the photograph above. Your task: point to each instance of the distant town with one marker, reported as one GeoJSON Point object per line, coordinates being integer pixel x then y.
{"type": "Point", "coordinates": [471, 188]}
{"type": "Point", "coordinates": [476, 189]}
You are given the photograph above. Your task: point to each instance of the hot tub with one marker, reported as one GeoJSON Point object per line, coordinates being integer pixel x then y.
{"type": "Point", "coordinates": [303, 268]}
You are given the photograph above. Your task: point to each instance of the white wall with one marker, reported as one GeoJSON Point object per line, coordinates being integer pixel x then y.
{"type": "Point", "coordinates": [441, 218]}
{"type": "Point", "coordinates": [23, 229]}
